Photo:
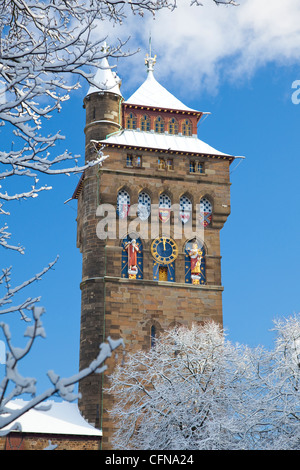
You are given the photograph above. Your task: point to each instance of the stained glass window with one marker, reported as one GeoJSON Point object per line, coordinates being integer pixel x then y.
{"type": "Point", "coordinates": [144, 205]}
{"type": "Point", "coordinates": [205, 211]}
{"type": "Point", "coordinates": [185, 209]}
{"type": "Point", "coordinates": [131, 121]}
{"type": "Point", "coordinates": [164, 201]}
{"type": "Point", "coordinates": [159, 125]}
{"type": "Point", "coordinates": [187, 127]}
{"type": "Point", "coordinates": [164, 209]}
{"type": "Point", "coordinates": [145, 123]}
{"type": "Point", "coordinates": [173, 126]}
{"type": "Point", "coordinates": [123, 204]}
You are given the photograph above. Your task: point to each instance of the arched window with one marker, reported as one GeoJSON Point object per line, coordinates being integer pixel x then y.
{"type": "Point", "coordinates": [185, 212]}
{"type": "Point", "coordinates": [144, 205]}
{"type": "Point", "coordinates": [164, 201]}
{"type": "Point", "coordinates": [173, 126]}
{"type": "Point", "coordinates": [205, 214]}
{"type": "Point", "coordinates": [129, 269]}
{"type": "Point", "coordinates": [194, 262]}
{"type": "Point", "coordinates": [164, 207]}
{"type": "Point", "coordinates": [145, 123]}
{"type": "Point", "coordinates": [131, 121]}
{"type": "Point", "coordinates": [187, 127]}
{"type": "Point", "coordinates": [123, 203]}
{"type": "Point", "coordinates": [159, 125]}
{"type": "Point", "coordinates": [152, 336]}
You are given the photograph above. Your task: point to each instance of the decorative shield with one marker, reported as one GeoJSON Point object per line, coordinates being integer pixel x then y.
{"type": "Point", "coordinates": [123, 210]}
{"type": "Point", "coordinates": [164, 214]}
{"type": "Point", "coordinates": [205, 218]}
{"type": "Point", "coordinates": [184, 216]}
{"type": "Point", "coordinates": [143, 212]}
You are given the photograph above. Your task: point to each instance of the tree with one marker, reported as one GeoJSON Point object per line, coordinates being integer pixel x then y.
{"type": "Point", "coordinates": [195, 390]}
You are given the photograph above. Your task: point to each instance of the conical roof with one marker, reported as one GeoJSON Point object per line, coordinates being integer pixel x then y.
{"type": "Point", "coordinates": [106, 79]}
{"type": "Point", "coordinates": [153, 94]}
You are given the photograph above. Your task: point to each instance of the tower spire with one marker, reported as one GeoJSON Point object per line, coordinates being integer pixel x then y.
{"type": "Point", "coordinates": [149, 60]}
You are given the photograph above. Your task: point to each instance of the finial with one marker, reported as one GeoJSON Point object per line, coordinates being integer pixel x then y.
{"type": "Point", "coordinates": [149, 60]}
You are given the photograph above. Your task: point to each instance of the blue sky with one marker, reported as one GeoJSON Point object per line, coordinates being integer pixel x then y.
{"type": "Point", "coordinates": [239, 65]}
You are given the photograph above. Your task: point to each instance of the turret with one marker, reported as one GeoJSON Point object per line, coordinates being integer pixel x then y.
{"type": "Point", "coordinates": [103, 117]}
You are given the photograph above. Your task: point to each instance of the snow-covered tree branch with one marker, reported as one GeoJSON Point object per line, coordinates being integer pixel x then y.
{"type": "Point", "coordinates": [64, 387]}
{"type": "Point", "coordinates": [196, 390]}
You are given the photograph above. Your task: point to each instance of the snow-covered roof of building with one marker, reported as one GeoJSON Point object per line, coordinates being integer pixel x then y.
{"type": "Point", "coordinates": [164, 142]}
{"type": "Point", "coordinates": [152, 94]}
{"type": "Point", "coordinates": [106, 79]}
{"type": "Point", "coordinates": [62, 418]}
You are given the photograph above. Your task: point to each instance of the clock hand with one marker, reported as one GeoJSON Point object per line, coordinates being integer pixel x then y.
{"type": "Point", "coordinates": [164, 242]}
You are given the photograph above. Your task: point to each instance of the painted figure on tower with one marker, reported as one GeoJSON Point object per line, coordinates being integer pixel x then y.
{"type": "Point", "coordinates": [195, 255]}
{"type": "Point", "coordinates": [132, 250]}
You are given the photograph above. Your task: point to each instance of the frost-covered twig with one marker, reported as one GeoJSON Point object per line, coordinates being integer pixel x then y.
{"type": "Point", "coordinates": [5, 279]}
{"type": "Point", "coordinates": [64, 387]}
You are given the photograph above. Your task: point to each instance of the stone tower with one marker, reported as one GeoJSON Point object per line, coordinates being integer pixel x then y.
{"type": "Point", "coordinates": [167, 194]}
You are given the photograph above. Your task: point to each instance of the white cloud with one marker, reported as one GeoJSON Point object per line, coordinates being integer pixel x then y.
{"type": "Point", "coordinates": [203, 45]}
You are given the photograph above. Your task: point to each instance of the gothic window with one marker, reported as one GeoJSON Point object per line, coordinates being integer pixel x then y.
{"type": "Point", "coordinates": [129, 269]}
{"type": "Point", "coordinates": [144, 206]}
{"type": "Point", "coordinates": [152, 336]}
{"type": "Point", "coordinates": [131, 121]}
{"type": "Point", "coordinates": [205, 212]}
{"type": "Point", "coordinates": [123, 203]}
{"type": "Point", "coordinates": [164, 201]}
{"type": "Point", "coordinates": [173, 126]}
{"type": "Point", "coordinates": [145, 123]}
{"type": "Point", "coordinates": [195, 262]}
{"type": "Point", "coordinates": [185, 209]}
{"type": "Point", "coordinates": [187, 127]}
{"type": "Point", "coordinates": [164, 208]}
{"type": "Point", "coordinates": [159, 125]}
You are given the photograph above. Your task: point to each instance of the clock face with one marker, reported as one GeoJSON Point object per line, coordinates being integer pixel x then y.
{"type": "Point", "coordinates": [164, 250]}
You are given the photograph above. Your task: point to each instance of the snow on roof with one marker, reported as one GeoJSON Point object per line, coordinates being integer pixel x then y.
{"type": "Point", "coordinates": [171, 143]}
{"type": "Point", "coordinates": [62, 418]}
{"type": "Point", "coordinates": [105, 78]}
{"type": "Point", "coordinates": [151, 93]}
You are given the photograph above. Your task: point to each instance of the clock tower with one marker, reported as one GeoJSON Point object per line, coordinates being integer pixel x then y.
{"type": "Point", "coordinates": [149, 221]}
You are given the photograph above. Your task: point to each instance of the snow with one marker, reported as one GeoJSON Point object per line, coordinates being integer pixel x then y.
{"type": "Point", "coordinates": [170, 142]}
{"type": "Point", "coordinates": [61, 418]}
{"type": "Point", "coordinates": [151, 93]}
{"type": "Point", "coordinates": [106, 79]}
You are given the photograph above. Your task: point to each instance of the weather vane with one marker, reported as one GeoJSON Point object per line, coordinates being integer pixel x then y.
{"type": "Point", "coordinates": [149, 60]}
